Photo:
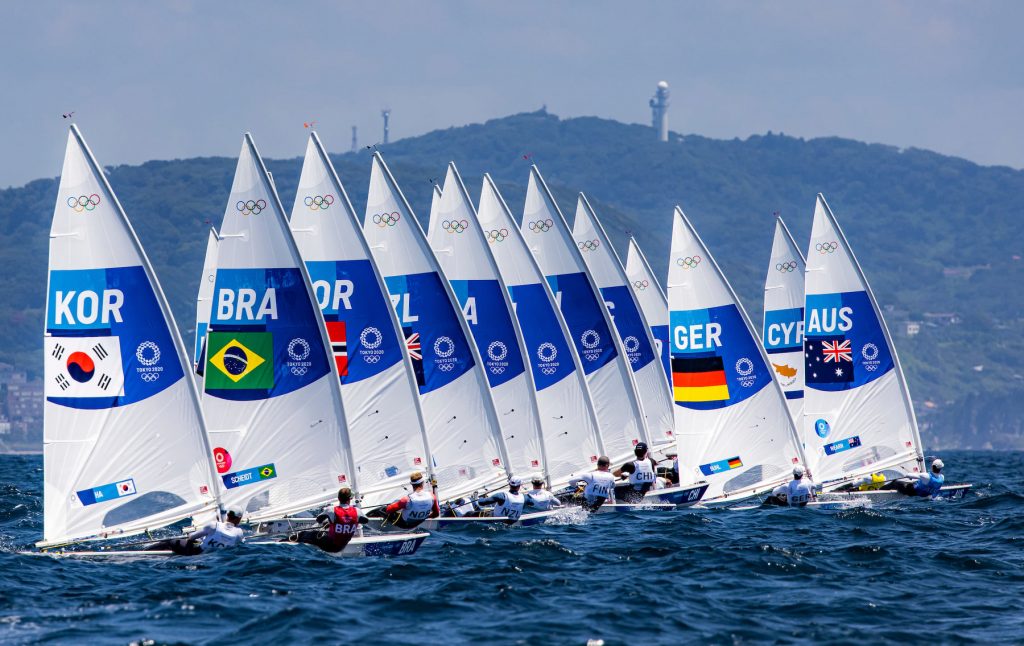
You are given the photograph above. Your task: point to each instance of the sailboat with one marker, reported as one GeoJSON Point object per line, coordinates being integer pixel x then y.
{"type": "Point", "coordinates": [783, 332]}
{"type": "Point", "coordinates": [619, 411]}
{"type": "Point", "coordinates": [378, 384]}
{"type": "Point", "coordinates": [461, 249]}
{"type": "Point", "coordinates": [732, 424]}
{"type": "Point", "coordinates": [204, 305]}
{"type": "Point", "coordinates": [858, 416]}
{"type": "Point", "coordinates": [653, 303]}
{"type": "Point", "coordinates": [125, 446]}
{"type": "Point", "coordinates": [272, 394]}
{"type": "Point", "coordinates": [466, 438]}
{"type": "Point", "coordinates": [634, 332]}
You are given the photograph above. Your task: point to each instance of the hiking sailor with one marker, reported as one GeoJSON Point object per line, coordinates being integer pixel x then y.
{"type": "Point", "coordinates": [796, 493]}
{"type": "Point", "coordinates": [641, 475]}
{"type": "Point", "coordinates": [596, 487]}
{"type": "Point", "coordinates": [409, 511]}
{"type": "Point", "coordinates": [211, 536]}
{"type": "Point", "coordinates": [921, 484]}
{"type": "Point", "coordinates": [539, 498]}
{"type": "Point", "coordinates": [507, 504]}
{"type": "Point", "coordinates": [338, 526]}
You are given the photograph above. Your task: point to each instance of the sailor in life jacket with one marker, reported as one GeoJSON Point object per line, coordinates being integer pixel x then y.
{"type": "Point", "coordinates": [410, 511]}
{"type": "Point", "coordinates": [796, 493]}
{"type": "Point", "coordinates": [337, 527]}
{"type": "Point", "coordinates": [215, 535]}
{"type": "Point", "coordinates": [641, 476]}
{"type": "Point", "coordinates": [507, 504]}
{"type": "Point", "coordinates": [597, 487]}
{"type": "Point", "coordinates": [539, 498]}
{"type": "Point", "coordinates": [925, 485]}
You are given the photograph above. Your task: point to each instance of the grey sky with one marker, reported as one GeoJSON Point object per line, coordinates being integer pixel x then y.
{"type": "Point", "coordinates": [180, 79]}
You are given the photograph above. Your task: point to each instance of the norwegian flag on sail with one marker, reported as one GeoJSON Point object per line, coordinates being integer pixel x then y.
{"type": "Point", "coordinates": [339, 345]}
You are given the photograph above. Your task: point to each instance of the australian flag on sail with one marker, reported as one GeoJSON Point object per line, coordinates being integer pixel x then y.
{"type": "Point", "coordinates": [829, 360]}
{"type": "Point", "coordinates": [415, 348]}
{"type": "Point", "coordinates": [339, 345]}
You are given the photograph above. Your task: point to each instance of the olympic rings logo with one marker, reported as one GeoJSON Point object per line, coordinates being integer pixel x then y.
{"type": "Point", "coordinates": [455, 226]}
{"type": "Point", "coordinates": [251, 207]}
{"type": "Point", "coordinates": [387, 219]}
{"type": "Point", "coordinates": [689, 262]}
{"type": "Point", "coordinates": [84, 202]}
{"type": "Point", "coordinates": [785, 267]}
{"type": "Point", "coordinates": [641, 284]}
{"type": "Point", "coordinates": [541, 226]}
{"type": "Point", "coordinates": [321, 202]}
{"type": "Point", "coordinates": [496, 235]}
{"type": "Point", "coordinates": [826, 247]}
{"type": "Point", "coordinates": [588, 245]}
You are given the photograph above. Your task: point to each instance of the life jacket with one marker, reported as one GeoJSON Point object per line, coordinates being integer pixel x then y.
{"type": "Point", "coordinates": [600, 485]}
{"type": "Point", "coordinates": [419, 507]}
{"type": "Point", "coordinates": [931, 486]}
{"type": "Point", "coordinates": [877, 481]}
{"type": "Point", "coordinates": [224, 535]}
{"type": "Point", "coordinates": [540, 499]}
{"type": "Point", "coordinates": [799, 492]}
{"type": "Point", "coordinates": [643, 475]}
{"type": "Point", "coordinates": [345, 525]}
{"type": "Point", "coordinates": [511, 507]}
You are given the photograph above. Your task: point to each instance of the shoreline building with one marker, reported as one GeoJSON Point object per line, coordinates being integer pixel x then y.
{"type": "Point", "coordinates": [659, 110]}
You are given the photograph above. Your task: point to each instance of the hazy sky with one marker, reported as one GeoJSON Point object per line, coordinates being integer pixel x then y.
{"type": "Point", "coordinates": [152, 80]}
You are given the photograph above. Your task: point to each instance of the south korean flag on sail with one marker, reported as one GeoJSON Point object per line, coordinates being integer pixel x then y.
{"type": "Point", "coordinates": [83, 367]}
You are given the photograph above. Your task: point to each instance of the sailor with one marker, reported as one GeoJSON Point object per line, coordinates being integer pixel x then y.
{"type": "Point", "coordinates": [508, 504]}
{"type": "Point", "coordinates": [410, 511]}
{"type": "Point", "coordinates": [596, 487]}
{"type": "Point", "coordinates": [795, 493]}
{"type": "Point", "coordinates": [539, 498]}
{"type": "Point", "coordinates": [338, 526]}
{"type": "Point", "coordinates": [211, 536]}
{"type": "Point", "coordinates": [640, 473]}
{"type": "Point", "coordinates": [922, 484]}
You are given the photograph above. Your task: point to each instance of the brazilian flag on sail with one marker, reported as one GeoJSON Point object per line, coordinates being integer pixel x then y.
{"type": "Point", "coordinates": [240, 361]}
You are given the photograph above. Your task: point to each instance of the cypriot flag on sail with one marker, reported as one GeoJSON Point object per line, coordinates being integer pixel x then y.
{"type": "Point", "coordinates": [638, 343]}
{"type": "Point", "coordinates": [619, 411]}
{"type": "Point", "coordinates": [732, 423]}
{"type": "Point", "coordinates": [378, 385]}
{"type": "Point", "coordinates": [461, 249]}
{"type": "Point", "coordinates": [466, 439]}
{"type": "Point", "coordinates": [271, 394]}
{"type": "Point", "coordinates": [653, 303]}
{"type": "Point", "coordinates": [784, 318]}
{"type": "Point", "coordinates": [858, 416]}
{"type": "Point", "coordinates": [569, 425]}
{"type": "Point", "coordinates": [124, 439]}
{"type": "Point", "coordinates": [204, 305]}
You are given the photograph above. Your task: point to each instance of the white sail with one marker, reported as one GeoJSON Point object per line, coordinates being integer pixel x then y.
{"type": "Point", "coordinates": [653, 303]}
{"type": "Point", "coordinates": [271, 395]}
{"type": "Point", "coordinates": [732, 423]}
{"type": "Point", "coordinates": [618, 408]}
{"type": "Point", "coordinates": [378, 385]}
{"type": "Point", "coordinates": [204, 304]}
{"type": "Point", "coordinates": [458, 242]}
{"type": "Point", "coordinates": [634, 333]}
{"type": "Point", "coordinates": [466, 441]}
{"type": "Point", "coordinates": [568, 422]}
{"type": "Point", "coordinates": [783, 335]}
{"type": "Point", "coordinates": [858, 417]}
{"type": "Point", "coordinates": [124, 439]}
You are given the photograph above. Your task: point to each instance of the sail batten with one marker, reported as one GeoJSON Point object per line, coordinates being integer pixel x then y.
{"type": "Point", "coordinates": [116, 376]}
{"type": "Point", "coordinates": [732, 424]}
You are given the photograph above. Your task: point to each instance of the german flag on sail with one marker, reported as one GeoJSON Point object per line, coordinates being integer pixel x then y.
{"type": "Point", "coordinates": [699, 379]}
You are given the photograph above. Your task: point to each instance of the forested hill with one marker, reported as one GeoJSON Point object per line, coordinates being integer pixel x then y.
{"type": "Point", "coordinates": [939, 237]}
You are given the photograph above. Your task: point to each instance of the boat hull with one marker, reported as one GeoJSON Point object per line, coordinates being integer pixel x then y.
{"type": "Point", "coordinates": [684, 496]}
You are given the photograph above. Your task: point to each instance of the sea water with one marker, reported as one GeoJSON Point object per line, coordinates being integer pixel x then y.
{"type": "Point", "coordinates": [920, 571]}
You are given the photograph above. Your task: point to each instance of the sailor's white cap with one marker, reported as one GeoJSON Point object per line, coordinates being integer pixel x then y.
{"type": "Point", "coordinates": [515, 481]}
{"type": "Point", "coordinates": [799, 470]}
{"type": "Point", "coordinates": [937, 464]}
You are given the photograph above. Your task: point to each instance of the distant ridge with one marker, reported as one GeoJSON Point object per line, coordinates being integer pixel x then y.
{"type": "Point", "coordinates": [937, 235]}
